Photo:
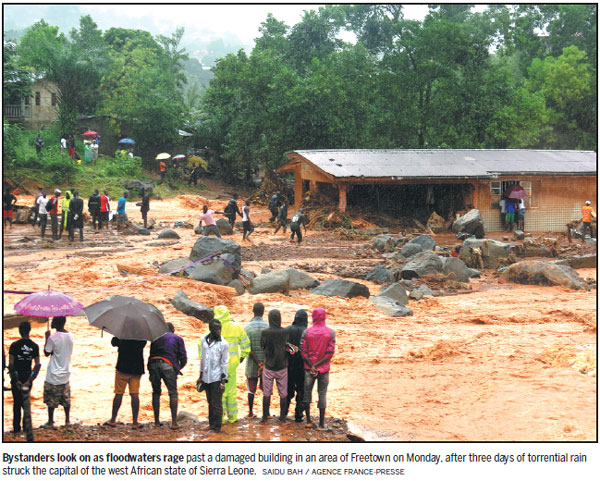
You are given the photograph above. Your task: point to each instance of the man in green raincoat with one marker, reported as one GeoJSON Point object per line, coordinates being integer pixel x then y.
{"type": "Point", "coordinates": [65, 212]}
{"type": "Point", "coordinates": [239, 349]}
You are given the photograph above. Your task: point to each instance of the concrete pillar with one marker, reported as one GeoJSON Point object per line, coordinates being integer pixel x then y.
{"type": "Point", "coordinates": [342, 189]}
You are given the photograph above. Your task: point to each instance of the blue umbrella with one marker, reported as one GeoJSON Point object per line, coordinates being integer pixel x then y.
{"type": "Point", "coordinates": [127, 141]}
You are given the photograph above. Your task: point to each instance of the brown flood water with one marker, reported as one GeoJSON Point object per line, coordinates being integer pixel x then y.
{"type": "Point", "coordinates": [501, 362]}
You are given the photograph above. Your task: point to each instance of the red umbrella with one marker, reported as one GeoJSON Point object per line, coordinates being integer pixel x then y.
{"type": "Point", "coordinates": [90, 132]}
{"type": "Point", "coordinates": [515, 192]}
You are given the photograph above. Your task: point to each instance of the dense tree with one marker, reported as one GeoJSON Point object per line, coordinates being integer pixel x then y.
{"type": "Point", "coordinates": [16, 79]}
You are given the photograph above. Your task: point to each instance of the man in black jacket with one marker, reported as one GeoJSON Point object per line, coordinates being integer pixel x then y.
{"type": "Point", "coordinates": [94, 208]}
{"type": "Point", "coordinates": [75, 216]}
{"type": "Point", "coordinates": [295, 364]}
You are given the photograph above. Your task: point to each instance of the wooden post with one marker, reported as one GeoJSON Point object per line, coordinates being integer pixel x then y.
{"type": "Point", "coordinates": [342, 189]}
{"type": "Point", "coordinates": [298, 194]}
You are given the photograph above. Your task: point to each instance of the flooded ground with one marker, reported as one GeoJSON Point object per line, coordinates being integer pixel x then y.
{"type": "Point", "coordinates": [500, 362]}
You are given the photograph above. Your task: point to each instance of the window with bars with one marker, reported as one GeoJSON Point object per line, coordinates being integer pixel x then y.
{"type": "Point", "coordinates": [38, 98]}
{"type": "Point", "coordinates": [497, 187]}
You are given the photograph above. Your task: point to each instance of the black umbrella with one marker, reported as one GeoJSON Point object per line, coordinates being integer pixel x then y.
{"type": "Point", "coordinates": [127, 318]}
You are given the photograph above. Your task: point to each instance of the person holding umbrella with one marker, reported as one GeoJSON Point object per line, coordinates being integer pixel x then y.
{"type": "Point", "coordinates": [57, 390]}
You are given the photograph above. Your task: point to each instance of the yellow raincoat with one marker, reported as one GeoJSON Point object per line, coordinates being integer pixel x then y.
{"type": "Point", "coordinates": [65, 207]}
{"type": "Point", "coordinates": [239, 347]}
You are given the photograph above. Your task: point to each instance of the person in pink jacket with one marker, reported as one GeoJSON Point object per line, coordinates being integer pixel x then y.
{"type": "Point", "coordinates": [317, 347]}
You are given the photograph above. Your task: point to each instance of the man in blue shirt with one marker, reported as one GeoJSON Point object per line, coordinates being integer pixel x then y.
{"type": "Point", "coordinates": [121, 216]}
{"type": "Point", "coordinates": [167, 359]}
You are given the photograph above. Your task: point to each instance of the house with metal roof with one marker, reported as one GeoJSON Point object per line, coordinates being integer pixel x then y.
{"type": "Point", "coordinates": [419, 182]}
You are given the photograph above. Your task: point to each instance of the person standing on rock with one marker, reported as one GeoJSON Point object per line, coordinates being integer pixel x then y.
{"type": "Point", "coordinates": [296, 365]}
{"type": "Point", "coordinates": [298, 221]}
{"type": "Point", "coordinates": [57, 390]}
{"type": "Point", "coordinates": [273, 342]}
{"type": "Point", "coordinates": [129, 371]}
{"type": "Point", "coordinates": [256, 360]}
{"type": "Point", "coordinates": [20, 356]}
{"type": "Point", "coordinates": [317, 348]}
{"type": "Point", "coordinates": [239, 348]}
{"type": "Point", "coordinates": [588, 214]}
{"type": "Point", "coordinates": [214, 372]}
{"type": "Point", "coordinates": [75, 218]}
{"type": "Point", "coordinates": [167, 358]}
{"type": "Point", "coordinates": [210, 226]}
{"type": "Point", "coordinates": [282, 217]}
{"type": "Point", "coordinates": [94, 208]}
{"type": "Point", "coordinates": [231, 209]}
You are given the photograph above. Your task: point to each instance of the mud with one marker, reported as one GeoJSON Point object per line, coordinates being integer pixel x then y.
{"type": "Point", "coordinates": [498, 362]}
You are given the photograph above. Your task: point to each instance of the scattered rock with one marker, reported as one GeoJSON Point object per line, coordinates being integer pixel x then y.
{"type": "Point", "coordinates": [435, 221]}
{"type": "Point", "coordinates": [379, 275]}
{"type": "Point", "coordinates": [416, 294]}
{"type": "Point", "coordinates": [224, 226]}
{"type": "Point", "coordinates": [589, 261]}
{"type": "Point", "coordinates": [213, 271]}
{"type": "Point", "coordinates": [238, 286]}
{"type": "Point", "coordinates": [384, 243]}
{"type": "Point", "coordinates": [183, 303]}
{"type": "Point", "coordinates": [460, 271]}
{"type": "Point", "coordinates": [470, 223]}
{"type": "Point", "coordinates": [519, 235]}
{"type": "Point", "coordinates": [199, 230]}
{"type": "Point", "coordinates": [169, 234]}
{"type": "Point", "coordinates": [494, 253]}
{"type": "Point", "coordinates": [301, 280]}
{"type": "Point", "coordinates": [342, 288]}
{"type": "Point", "coordinates": [422, 263]}
{"type": "Point", "coordinates": [274, 281]}
{"type": "Point", "coordinates": [137, 185]}
{"type": "Point", "coordinates": [175, 264]}
{"type": "Point", "coordinates": [543, 274]}
{"type": "Point", "coordinates": [144, 231]}
{"type": "Point", "coordinates": [390, 306]}
{"type": "Point", "coordinates": [408, 250]}
{"type": "Point", "coordinates": [182, 224]}
{"type": "Point", "coordinates": [408, 284]}
{"type": "Point", "coordinates": [426, 242]}
{"type": "Point", "coordinates": [184, 417]}
{"type": "Point", "coordinates": [397, 292]}
{"type": "Point", "coordinates": [425, 290]}
{"type": "Point", "coordinates": [206, 246]}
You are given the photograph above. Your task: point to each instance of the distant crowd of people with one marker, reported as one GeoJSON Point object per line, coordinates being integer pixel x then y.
{"type": "Point", "coordinates": [292, 358]}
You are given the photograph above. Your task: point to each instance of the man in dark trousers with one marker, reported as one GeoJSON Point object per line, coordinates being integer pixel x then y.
{"type": "Point", "coordinates": [52, 208]}
{"type": "Point", "coordinates": [298, 221]}
{"type": "Point", "coordinates": [282, 217]}
{"type": "Point", "coordinates": [75, 216]}
{"type": "Point", "coordinates": [20, 356]}
{"type": "Point", "coordinates": [129, 370]}
{"type": "Point", "coordinates": [274, 206]}
{"type": "Point", "coordinates": [167, 359]}
{"type": "Point", "coordinates": [94, 208]}
{"type": "Point", "coordinates": [317, 348]}
{"type": "Point", "coordinates": [273, 341]}
{"type": "Point", "coordinates": [256, 361]}
{"type": "Point", "coordinates": [232, 209]}
{"type": "Point", "coordinates": [295, 364]}
{"type": "Point", "coordinates": [214, 362]}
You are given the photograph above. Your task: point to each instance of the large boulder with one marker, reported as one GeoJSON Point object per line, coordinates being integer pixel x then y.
{"type": "Point", "coordinates": [206, 246]}
{"type": "Point", "coordinates": [274, 281]}
{"type": "Point", "coordinates": [470, 223]}
{"type": "Point", "coordinates": [183, 303]}
{"type": "Point", "coordinates": [168, 234]}
{"type": "Point", "coordinates": [301, 280]}
{"type": "Point", "coordinates": [135, 185]}
{"type": "Point", "coordinates": [380, 275]}
{"type": "Point", "coordinates": [543, 274]}
{"type": "Point", "coordinates": [214, 271]}
{"type": "Point", "coordinates": [175, 265]}
{"type": "Point", "coordinates": [238, 286]}
{"type": "Point", "coordinates": [397, 292]}
{"type": "Point", "coordinates": [390, 306]}
{"type": "Point", "coordinates": [495, 253]}
{"type": "Point", "coordinates": [342, 288]}
{"type": "Point", "coordinates": [457, 270]}
{"type": "Point", "coordinates": [426, 242]}
{"type": "Point", "coordinates": [410, 249]}
{"type": "Point", "coordinates": [589, 261]}
{"type": "Point", "coordinates": [421, 264]}
{"type": "Point", "coordinates": [182, 223]}
{"type": "Point", "coordinates": [384, 243]}
{"type": "Point", "coordinates": [224, 226]}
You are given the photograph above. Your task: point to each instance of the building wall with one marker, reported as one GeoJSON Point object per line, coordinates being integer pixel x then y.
{"type": "Point", "coordinates": [554, 201]}
{"type": "Point", "coordinates": [45, 113]}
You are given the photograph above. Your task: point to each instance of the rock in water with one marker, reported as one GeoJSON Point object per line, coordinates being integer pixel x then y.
{"type": "Point", "coordinates": [379, 274]}
{"type": "Point", "coordinates": [470, 223]}
{"type": "Point", "coordinates": [301, 280]}
{"type": "Point", "coordinates": [421, 264]}
{"type": "Point", "coordinates": [495, 253]}
{"type": "Point", "coordinates": [274, 281]}
{"type": "Point", "coordinates": [168, 234]}
{"type": "Point", "coordinates": [342, 288]}
{"type": "Point", "coordinates": [206, 246]}
{"type": "Point", "coordinates": [397, 292]}
{"type": "Point", "coordinates": [426, 242]}
{"type": "Point", "coordinates": [183, 303]}
{"type": "Point", "coordinates": [390, 306]}
{"type": "Point", "coordinates": [543, 274]}
{"type": "Point", "coordinates": [173, 265]}
{"type": "Point", "coordinates": [224, 226]}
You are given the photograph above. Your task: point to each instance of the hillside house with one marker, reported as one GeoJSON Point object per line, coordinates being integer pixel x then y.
{"type": "Point", "coordinates": [37, 111]}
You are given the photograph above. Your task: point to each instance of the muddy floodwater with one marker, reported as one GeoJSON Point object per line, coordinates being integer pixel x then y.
{"type": "Point", "coordinates": [498, 362]}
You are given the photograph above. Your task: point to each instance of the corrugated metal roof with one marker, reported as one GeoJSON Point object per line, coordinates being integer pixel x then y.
{"type": "Point", "coordinates": [445, 163]}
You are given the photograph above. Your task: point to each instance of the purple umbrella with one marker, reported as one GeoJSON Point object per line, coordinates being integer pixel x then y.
{"type": "Point", "coordinates": [48, 304]}
{"type": "Point", "coordinates": [515, 192]}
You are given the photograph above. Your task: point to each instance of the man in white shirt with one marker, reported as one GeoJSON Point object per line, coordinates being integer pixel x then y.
{"type": "Point", "coordinates": [41, 202]}
{"type": "Point", "coordinates": [57, 390]}
{"type": "Point", "coordinates": [503, 213]}
{"type": "Point", "coordinates": [214, 361]}
{"type": "Point", "coordinates": [63, 145]}
{"type": "Point", "coordinates": [521, 215]}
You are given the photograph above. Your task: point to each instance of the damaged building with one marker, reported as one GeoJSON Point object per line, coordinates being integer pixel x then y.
{"type": "Point", "coordinates": [416, 183]}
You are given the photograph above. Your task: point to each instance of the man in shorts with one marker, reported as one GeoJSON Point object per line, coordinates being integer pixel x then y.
{"type": "Point", "coordinates": [129, 370]}
{"type": "Point", "coordinates": [273, 341]}
{"type": "Point", "coordinates": [57, 390]}
{"type": "Point", "coordinates": [256, 359]}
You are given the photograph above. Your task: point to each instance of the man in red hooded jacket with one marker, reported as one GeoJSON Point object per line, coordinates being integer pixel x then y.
{"type": "Point", "coordinates": [317, 347]}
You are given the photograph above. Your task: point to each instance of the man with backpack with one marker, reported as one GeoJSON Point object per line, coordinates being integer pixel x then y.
{"type": "Point", "coordinates": [232, 209]}
{"type": "Point", "coordinates": [298, 221]}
